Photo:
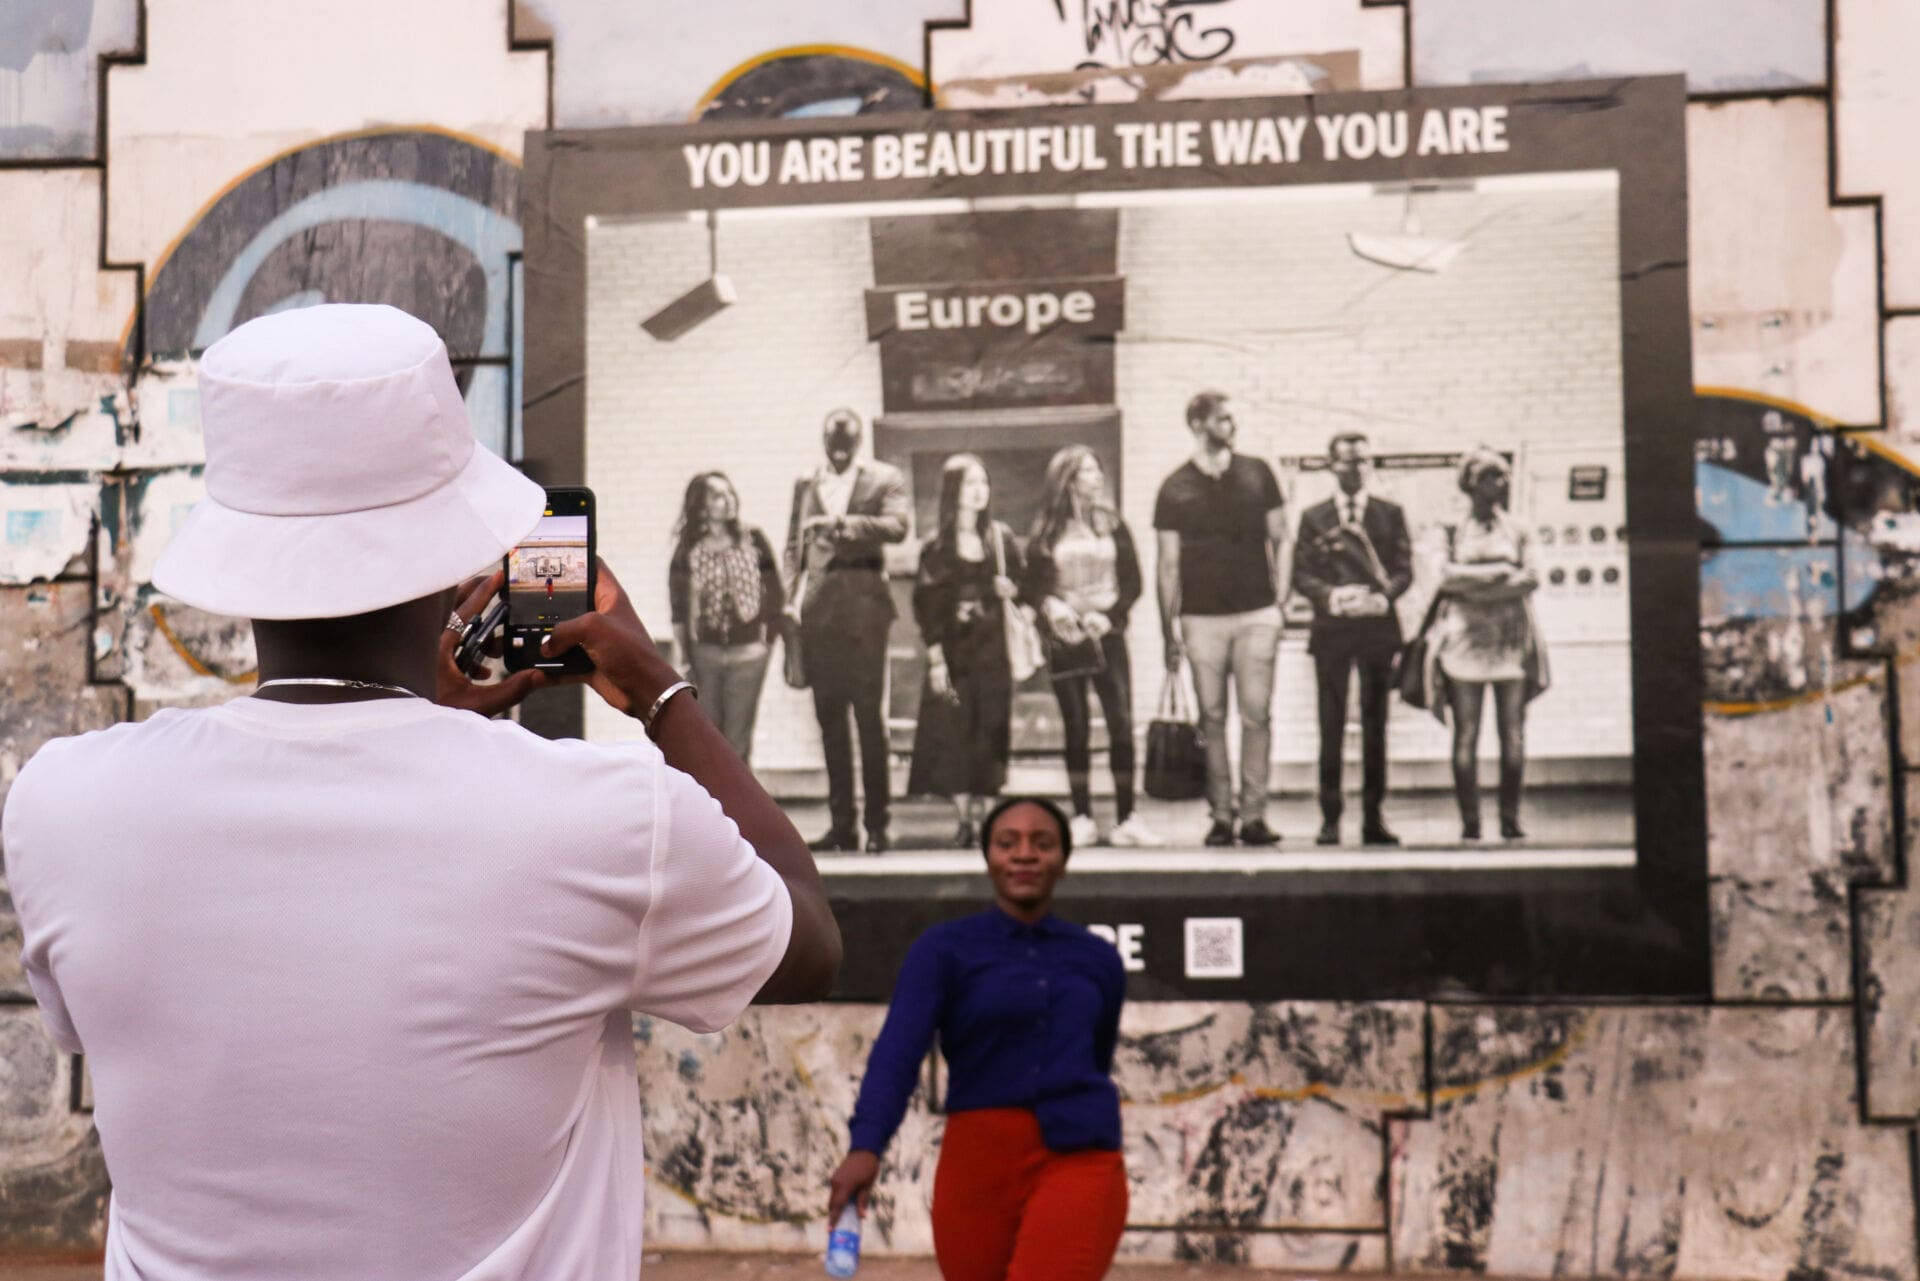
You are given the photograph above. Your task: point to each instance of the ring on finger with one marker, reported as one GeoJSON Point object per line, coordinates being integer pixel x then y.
{"type": "Point", "coordinates": [455, 623]}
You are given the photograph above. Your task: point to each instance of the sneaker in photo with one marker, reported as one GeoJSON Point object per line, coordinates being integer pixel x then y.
{"type": "Point", "coordinates": [1084, 831]}
{"type": "Point", "coordinates": [1134, 834]}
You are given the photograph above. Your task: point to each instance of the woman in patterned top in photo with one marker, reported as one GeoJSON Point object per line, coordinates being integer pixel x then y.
{"type": "Point", "coordinates": [969, 571]}
{"type": "Point", "coordinates": [1083, 577]}
{"type": "Point", "coordinates": [1030, 1185]}
{"type": "Point", "coordinates": [1485, 636]}
{"type": "Point", "coordinates": [726, 592]}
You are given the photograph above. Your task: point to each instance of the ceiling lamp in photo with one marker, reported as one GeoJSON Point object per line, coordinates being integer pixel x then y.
{"type": "Point", "coordinates": [1408, 250]}
{"type": "Point", "coordinates": [702, 302]}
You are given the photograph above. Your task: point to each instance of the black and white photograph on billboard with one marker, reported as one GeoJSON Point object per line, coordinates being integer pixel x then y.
{"type": "Point", "coordinates": [1273, 518]}
{"type": "Point", "coordinates": [1266, 446]}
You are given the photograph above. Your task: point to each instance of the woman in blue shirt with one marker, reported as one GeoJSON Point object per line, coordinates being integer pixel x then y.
{"type": "Point", "coordinates": [1027, 1008]}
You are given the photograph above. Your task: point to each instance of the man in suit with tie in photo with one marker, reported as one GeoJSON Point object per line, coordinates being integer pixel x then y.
{"type": "Point", "coordinates": [844, 514]}
{"type": "Point", "coordinates": [1352, 560]}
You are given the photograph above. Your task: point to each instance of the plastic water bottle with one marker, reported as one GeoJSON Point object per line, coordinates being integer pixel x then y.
{"type": "Point", "coordinates": [843, 1243]}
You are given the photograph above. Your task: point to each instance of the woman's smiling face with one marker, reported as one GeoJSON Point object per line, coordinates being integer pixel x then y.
{"type": "Point", "coordinates": [1026, 858]}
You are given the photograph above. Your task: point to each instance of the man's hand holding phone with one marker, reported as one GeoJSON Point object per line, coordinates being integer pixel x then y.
{"type": "Point", "coordinates": [629, 671]}
{"type": "Point", "coordinates": [457, 686]}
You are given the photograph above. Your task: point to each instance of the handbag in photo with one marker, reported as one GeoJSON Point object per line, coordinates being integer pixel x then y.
{"type": "Point", "coordinates": [1067, 659]}
{"type": "Point", "coordinates": [794, 661]}
{"type": "Point", "coordinates": [794, 666]}
{"type": "Point", "coordinates": [1412, 670]}
{"type": "Point", "coordinates": [1176, 767]}
{"type": "Point", "coordinates": [1025, 654]}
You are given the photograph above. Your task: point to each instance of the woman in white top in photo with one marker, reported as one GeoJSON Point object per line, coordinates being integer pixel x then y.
{"type": "Point", "coordinates": [1083, 578]}
{"type": "Point", "coordinates": [1485, 637]}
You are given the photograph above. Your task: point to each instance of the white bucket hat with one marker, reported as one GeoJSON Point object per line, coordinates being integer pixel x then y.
{"type": "Point", "coordinates": [342, 473]}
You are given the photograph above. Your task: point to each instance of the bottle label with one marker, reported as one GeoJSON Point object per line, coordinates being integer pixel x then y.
{"type": "Point", "coordinates": [843, 1252]}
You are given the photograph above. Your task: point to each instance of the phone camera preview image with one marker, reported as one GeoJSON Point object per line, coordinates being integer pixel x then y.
{"type": "Point", "coordinates": [549, 580]}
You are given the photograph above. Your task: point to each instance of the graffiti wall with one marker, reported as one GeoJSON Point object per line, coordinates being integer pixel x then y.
{"type": "Point", "coordinates": [167, 171]}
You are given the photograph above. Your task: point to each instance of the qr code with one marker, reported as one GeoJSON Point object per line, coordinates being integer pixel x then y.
{"type": "Point", "coordinates": [1214, 948]}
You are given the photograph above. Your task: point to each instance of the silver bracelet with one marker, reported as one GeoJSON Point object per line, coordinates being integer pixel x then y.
{"type": "Point", "coordinates": [653, 713]}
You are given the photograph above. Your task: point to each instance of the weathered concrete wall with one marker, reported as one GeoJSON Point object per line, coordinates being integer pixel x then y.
{"type": "Point", "coordinates": [241, 164]}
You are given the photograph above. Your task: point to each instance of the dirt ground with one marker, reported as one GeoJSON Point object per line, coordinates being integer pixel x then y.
{"type": "Point", "coordinates": [677, 1266]}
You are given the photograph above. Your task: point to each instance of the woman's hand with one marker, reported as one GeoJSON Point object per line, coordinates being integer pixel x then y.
{"type": "Point", "coordinates": [455, 688]}
{"type": "Point", "coordinates": [1005, 588]}
{"type": "Point", "coordinates": [1062, 621]}
{"type": "Point", "coordinates": [1094, 625]}
{"type": "Point", "coordinates": [853, 1181]}
{"type": "Point", "coordinates": [939, 680]}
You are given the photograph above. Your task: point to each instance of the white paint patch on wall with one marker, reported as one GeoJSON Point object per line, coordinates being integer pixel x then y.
{"type": "Point", "coordinates": [1876, 105]}
{"type": "Point", "coordinates": [43, 526]}
{"type": "Point", "coordinates": [1783, 284]}
{"type": "Point", "coordinates": [1722, 45]}
{"type": "Point", "coordinates": [1903, 377]}
{"type": "Point", "coordinates": [167, 398]}
{"type": "Point", "coordinates": [60, 318]}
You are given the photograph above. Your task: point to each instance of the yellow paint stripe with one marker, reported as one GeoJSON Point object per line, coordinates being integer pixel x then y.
{"type": "Point", "coordinates": [793, 1055]}
{"type": "Point", "coordinates": [373, 131]}
{"type": "Point", "coordinates": [1373, 1099]}
{"type": "Point", "coordinates": [854, 52]}
{"type": "Point", "coordinates": [1873, 444]}
{"type": "Point", "coordinates": [1575, 1039]}
{"type": "Point", "coordinates": [186, 656]}
{"type": "Point", "coordinates": [1774, 402]}
{"type": "Point", "coordinates": [1813, 695]}
{"type": "Point", "coordinates": [1797, 700]}
{"type": "Point", "coordinates": [1870, 441]}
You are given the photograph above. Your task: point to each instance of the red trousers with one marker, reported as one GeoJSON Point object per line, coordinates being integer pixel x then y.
{"type": "Point", "coordinates": [1007, 1209]}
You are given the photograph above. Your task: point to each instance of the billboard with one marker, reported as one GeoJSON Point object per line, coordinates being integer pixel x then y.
{"type": "Point", "coordinates": [1248, 405]}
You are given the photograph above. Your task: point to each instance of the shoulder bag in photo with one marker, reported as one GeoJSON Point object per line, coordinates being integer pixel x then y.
{"type": "Point", "coordinates": [1025, 654]}
{"type": "Point", "coordinates": [1176, 767]}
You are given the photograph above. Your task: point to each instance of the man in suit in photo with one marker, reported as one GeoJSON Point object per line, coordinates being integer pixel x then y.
{"type": "Point", "coordinates": [844, 512]}
{"type": "Point", "coordinates": [1353, 558]}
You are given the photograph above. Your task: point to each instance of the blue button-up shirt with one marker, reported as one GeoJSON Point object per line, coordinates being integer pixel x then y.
{"type": "Point", "coordinates": [1027, 1017]}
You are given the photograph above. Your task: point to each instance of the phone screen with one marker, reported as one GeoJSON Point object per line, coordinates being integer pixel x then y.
{"type": "Point", "coordinates": [550, 578]}
{"type": "Point", "coordinates": [547, 574]}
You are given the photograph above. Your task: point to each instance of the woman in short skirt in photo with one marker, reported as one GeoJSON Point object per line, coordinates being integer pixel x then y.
{"type": "Point", "coordinates": [1484, 637]}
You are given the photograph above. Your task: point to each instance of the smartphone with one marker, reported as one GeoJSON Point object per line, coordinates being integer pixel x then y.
{"type": "Point", "coordinates": [550, 578]}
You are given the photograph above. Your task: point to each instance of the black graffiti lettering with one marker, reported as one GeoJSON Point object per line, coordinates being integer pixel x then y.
{"type": "Point", "coordinates": [1145, 33]}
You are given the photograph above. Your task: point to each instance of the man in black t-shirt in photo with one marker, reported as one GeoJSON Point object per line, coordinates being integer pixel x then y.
{"type": "Point", "coordinates": [1221, 526]}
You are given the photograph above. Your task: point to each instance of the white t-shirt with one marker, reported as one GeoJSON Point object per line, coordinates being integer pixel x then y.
{"type": "Point", "coordinates": [353, 981]}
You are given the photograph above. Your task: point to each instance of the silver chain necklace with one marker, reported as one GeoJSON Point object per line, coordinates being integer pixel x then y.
{"type": "Point", "coordinates": [335, 683]}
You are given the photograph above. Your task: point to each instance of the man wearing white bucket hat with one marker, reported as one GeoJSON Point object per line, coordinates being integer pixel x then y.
{"type": "Point", "coordinates": [351, 965]}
